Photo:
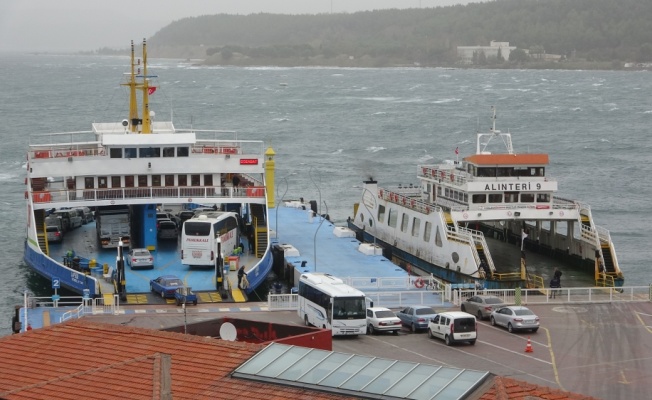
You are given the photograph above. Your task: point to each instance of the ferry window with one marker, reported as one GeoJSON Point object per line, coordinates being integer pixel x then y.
{"type": "Point", "coordinates": [438, 190]}
{"type": "Point", "coordinates": [495, 198]}
{"type": "Point", "coordinates": [102, 182]}
{"type": "Point", "coordinates": [169, 180]}
{"type": "Point", "coordinates": [194, 180]}
{"type": "Point", "coordinates": [168, 151]}
{"type": "Point", "coordinates": [115, 182]}
{"type": "Point", "coordinates": [89, 183]}
{"type": "Point", "coordinates": [527, 197]}
{"type": "Point", "coordinates": [149, 152]}
{"type": "Point", "coordinates": [404, 222]}
{"type": "Point", "coordinates": [156, 180]}
{"type": "Point", "coordinates": [502, 172]}
{"type": "Point", "coordinates": [131, 152]}
{"type": "Point", "coordinates": [426, 231]}
{"type": "Point", "coordinates": [371, 223]}
{"type": "Point", "coordinates": [543, 197]}
{"type": "Point", "coordinates": [183, 180]}
{"type": "Point", "coordinates": [393, 216]}
{"type": "Point", "coordinates": [438, 242]}
{"type": "Point", "coordinates": [129, 181]}
{"type": "Point", "coordinates": [142, 180]}
{"type": "Point", "coordinates": [182, 152]}
{"type": "Point", "coordinates": [511, 197]}
{"type": "Point", "coordinates": [447, 192]}
{"type": "Point", "coordinates": [479, 198]}
{"type": "Point", "coordinates": [208, 180]}
{"type": "Point", "coordinates": [115, 153]}
{"type": "Point", "coordinates": [416, 224]}
{"type": "Point", "coordinates": [466, 197]}
{"type": "Point", "coordinates": [542, 171]}
{"type": "Point", "coordinates": [381, 214]}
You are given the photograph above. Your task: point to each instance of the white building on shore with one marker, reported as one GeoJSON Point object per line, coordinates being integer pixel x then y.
{"type": "Point", "coordinates": [465, 53]}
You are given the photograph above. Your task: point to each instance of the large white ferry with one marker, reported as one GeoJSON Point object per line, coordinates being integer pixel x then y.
{"type": "Point", "coordinates": [125, 172]}
{"type": "Point", "coordinates": [488, 219]}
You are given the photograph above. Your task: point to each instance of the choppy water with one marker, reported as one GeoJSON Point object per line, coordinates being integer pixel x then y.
{"type": "Point", "coordinates": [331, 128]}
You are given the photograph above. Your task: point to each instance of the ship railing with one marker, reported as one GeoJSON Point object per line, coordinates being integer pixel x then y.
{"type": "Point", "coordinates": [381, 298]}
{"type": "Point", "coordinates": [177, 192]}
{"type": "Point", "coordinates": [407, 197]}
{"type": "Point", "coordinates": [574, 295]}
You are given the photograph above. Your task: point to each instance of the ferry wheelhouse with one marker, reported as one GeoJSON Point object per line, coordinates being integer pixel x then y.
{"type": "Point", "coordinates": [475, 220]}
{"type": "Point", "coordinates": [130, 169]}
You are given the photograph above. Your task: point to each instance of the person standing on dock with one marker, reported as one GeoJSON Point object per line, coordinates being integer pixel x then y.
{"type": "Point", "coordinates": [241, 275]}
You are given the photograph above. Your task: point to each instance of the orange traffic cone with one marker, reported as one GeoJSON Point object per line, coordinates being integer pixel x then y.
{"type": "Point", "coordinates": [528, 346]}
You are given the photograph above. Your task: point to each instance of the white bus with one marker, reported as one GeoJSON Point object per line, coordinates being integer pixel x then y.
{"type": "Point", "coordinates": [199, 237]}
{"type": "Point", "coordinates": [327, 302]}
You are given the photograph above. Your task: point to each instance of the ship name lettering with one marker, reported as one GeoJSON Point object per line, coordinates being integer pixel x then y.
{"type": "Point", "coordinates": [507, 186]}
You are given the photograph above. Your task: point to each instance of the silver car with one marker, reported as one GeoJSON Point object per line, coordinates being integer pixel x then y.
{"type": "Point", "coordinates": [515, 318]}
{"type": "Point", "coordinates": [140, 258]}
{"type": "Point", "coordinates": [381, 319]}
{"type": "Point", "coordinates": [482, 305]}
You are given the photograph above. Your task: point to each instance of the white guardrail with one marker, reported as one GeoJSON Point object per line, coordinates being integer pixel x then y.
{"type": "Point", "coordinates": [453, 298]}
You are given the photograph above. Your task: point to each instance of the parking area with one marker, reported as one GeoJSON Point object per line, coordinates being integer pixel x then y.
{"type": "Point", "coordinates": [601, 350]}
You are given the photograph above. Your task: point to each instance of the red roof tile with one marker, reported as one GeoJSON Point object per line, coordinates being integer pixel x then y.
{"type": "Point", "coordinates": [84, 359]}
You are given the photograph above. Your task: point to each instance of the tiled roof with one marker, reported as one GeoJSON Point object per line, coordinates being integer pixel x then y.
{"type": "Point", "coordinates": [84, 359]}
{"type": "Point", "coordinates": [512, 389]}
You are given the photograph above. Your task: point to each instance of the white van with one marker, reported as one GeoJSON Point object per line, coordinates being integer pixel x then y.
{"type": "Point", "coordinates": [453, 327]}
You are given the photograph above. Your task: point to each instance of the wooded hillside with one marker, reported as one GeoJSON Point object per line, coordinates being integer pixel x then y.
{"type": "Point", "coordinates": [613, 31]}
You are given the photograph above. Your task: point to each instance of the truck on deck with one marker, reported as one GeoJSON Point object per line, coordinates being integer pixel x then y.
{"type": "Point", "coordinates": [113, 225]}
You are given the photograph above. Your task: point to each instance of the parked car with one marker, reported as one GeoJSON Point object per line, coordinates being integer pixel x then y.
{"type": "Point", "coordinates": [140, 258]}
{"type": "Point", "coordinates": [167, 230]}
{"type": "Point", "coordinates": [54, 233]}
{"type": "Point", "coordinates": [416, 317]}
{"type": "Point", "coordinates": [86, 214]}
{"type": "Point", "coordinates": [453, 327]}
{"type": "Point", "coordinates": [185, 295]}
{"type": "Point", "coordinates": [184, 215]}
{"type": "Point", "coordinates": [381, 319]}
{"type": "Point", "coordinates": [515, 318]}
{"type": "Point", "coordinates": [165, 285]}
{"type": "Point", "coordinates": [482, 305]}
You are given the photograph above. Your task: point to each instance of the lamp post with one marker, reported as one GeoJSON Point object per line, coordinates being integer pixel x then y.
{"type": "Point", "coordinates": [314, 240]}
{"type": "Point", "coordinates": [285, 179]}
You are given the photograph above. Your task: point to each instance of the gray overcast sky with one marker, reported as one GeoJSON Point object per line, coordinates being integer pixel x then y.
{"type": "Point", "coordinates": [75, 25]}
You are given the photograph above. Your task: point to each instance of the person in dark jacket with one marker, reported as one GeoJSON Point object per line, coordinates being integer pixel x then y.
{"type": "Point", "coordinates": [555, 283]}
{"type": "Point", "coordinates": [241, 274]}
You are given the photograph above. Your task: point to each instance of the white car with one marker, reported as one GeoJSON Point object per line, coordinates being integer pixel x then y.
{"type": "Point", "coordinates": [515, 318]}
{"type": "Point", "coordinates": [381, 319]}
{"type": "Point", "coordinates": [140, 258]}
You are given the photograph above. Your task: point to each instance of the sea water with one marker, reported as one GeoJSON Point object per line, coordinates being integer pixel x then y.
{"type": "Point", "coordinates": [332, 128]}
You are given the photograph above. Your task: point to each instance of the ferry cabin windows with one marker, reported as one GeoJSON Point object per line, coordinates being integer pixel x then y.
{"type": "Point", "coordinates": [495, 198]}
{"type": "Point", "coordinates": [89, 182]}
{"type": "Point", "coordinates": [156, 180]}
{"type": "Point", "coordinates": [393, 216]}
{"type": "Point", "coordinates": [479, 198]}
{"type": "Point", "coordinates": [427, 232]}
{"type": "Point", "coordinates": [115, 182]}
{"type": "Point", "coordinates": [416, 224]}
{"type": "Point", "coordinates": [208, 180]}
{"type": "Point", "coordinates": [183, 180]}
{"type": "Point", "coordinates": [506, 171]}
{"type": "Point", "coordinates": [194, 180]}
{"type": "Point", "coordinates": [149, 152]}
{"type": "Point", "coordinates": [102, 182]}
{"type": "Point", "coordinates": [527, 197]}
{"type": "Point", "coordinates": [543, 197]}
{"type": "Point", "coordinates": [169, 180]}
{"type": "Point", "coordinates": [142, 180]}
{"type": "Point", "coordinates": [404, 222]}
{"type": "Point", "coordinates": [381, 213]}
{"type": "Point", "coordinates": [129, 181]}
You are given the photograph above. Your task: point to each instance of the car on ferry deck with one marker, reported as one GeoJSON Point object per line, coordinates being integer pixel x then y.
{"type": "Point", "coordinates": [167, 230]}
{"type": "Point", "coordinates": [140, 258]}
{"type": "Point", "coordinates": [55, 234]}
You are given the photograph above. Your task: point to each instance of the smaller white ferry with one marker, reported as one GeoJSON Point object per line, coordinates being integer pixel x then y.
{"type": "Point", "coordinates": [491, 219]}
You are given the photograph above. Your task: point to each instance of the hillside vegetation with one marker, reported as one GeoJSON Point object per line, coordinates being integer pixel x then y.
{"type": "Point", "coordinates": [604, 32]}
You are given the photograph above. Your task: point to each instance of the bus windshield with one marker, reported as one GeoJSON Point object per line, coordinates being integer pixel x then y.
{"type": "Point", "coordinates": [349, 308]}
{"type": "Point", "coordinates": [197, 228]}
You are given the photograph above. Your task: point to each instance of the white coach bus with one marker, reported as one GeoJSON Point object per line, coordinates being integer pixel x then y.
{"type": "Point", "coordinates": [327, 302]}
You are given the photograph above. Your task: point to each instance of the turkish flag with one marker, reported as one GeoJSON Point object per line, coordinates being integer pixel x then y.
{"type": "Point", "coordinates": [457, 150]}
{"type": "Point", "coordinates": [151, 90]}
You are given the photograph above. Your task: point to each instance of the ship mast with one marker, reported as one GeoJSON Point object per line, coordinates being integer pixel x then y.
{"type": "Point", "coordinates": [134, 121]}
{"type": "Point", "coordinates": [147, 126]}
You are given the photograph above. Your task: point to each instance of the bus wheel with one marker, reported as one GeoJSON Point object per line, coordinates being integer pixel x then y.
{"type": "Point", "coordinates": [305, 320]}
